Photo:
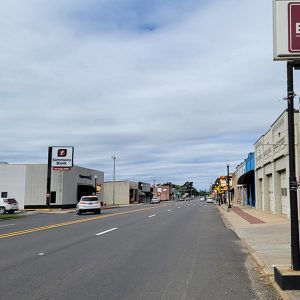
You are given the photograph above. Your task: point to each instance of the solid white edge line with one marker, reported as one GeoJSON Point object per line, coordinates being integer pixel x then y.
{"type": "Point", "coordinates": [106, 231]}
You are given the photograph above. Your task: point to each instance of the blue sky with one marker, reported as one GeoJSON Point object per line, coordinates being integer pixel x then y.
{"type": "Point", "coordinates": [174, 89]}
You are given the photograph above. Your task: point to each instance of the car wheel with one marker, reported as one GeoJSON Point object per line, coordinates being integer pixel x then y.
{"type": "Point", "coordinates": [97, 211]}
{"type": "Point", "coordinates": [11, 211]}
{"type": "Point", "coordinates": [78, 212]}
{"type": "Point", "coordinates": [2, 210]}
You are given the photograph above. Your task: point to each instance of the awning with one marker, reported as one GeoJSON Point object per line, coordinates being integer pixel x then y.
{"type": "Point", "coordinates": [247, 178]}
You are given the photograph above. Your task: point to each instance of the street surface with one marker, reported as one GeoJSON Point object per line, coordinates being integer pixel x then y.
{"type": "Point", "coordinates": [175, 250]}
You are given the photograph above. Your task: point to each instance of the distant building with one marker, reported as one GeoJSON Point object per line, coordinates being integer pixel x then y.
{"type": "Point", "coordinates": [126, 192]}
{"type": "Point", "coordinates": [224, 188]}
{"type": "Point", "coordinates": [245, 194]}
{"type": "Point", "coordinates": [144, 192]}
{"type": "Point", "coordinates": [163, 192]}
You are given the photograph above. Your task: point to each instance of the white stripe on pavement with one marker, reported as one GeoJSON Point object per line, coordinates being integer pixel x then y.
{"type": "Point", "coordinates": [106, 231]}
{"type": "Point", "coordinates": [151, 216]}
{"type": "Point", "coordinates": [7, 225]}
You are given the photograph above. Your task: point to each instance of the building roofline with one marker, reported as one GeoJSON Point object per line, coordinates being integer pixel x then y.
{"type": "Point", "coordinates": [295, 111]}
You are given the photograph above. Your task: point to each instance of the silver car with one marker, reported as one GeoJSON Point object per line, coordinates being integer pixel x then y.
{"type": "Point", "coordinates": [155, 200]}
{"type": "Point", "coordinates": [210, 200]}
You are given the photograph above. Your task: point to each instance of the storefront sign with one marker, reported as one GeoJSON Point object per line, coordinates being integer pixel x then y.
{"type": "Point", "coordinates": [86, 176]}
{"type": "Point", "coordinates": [286, 15]}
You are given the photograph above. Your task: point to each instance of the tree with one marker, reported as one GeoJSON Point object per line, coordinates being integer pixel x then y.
{"type": "Point", "coordinates": [215, 184]}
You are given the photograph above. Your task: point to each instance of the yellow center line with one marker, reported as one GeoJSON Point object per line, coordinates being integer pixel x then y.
{"type": "Point", "coordinates": [35, 229]}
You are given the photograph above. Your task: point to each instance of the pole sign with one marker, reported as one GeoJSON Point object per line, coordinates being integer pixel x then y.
{"type": "Point", "coordinates": [62, 158]}
{"type": "Point", "coordinates": [286, 26]}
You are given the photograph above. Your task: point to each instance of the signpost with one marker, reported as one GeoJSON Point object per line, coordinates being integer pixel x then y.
{"type": "Point", "coordinates": [286, 16]}
{"type": "Point", "coordinates": [59, 159]}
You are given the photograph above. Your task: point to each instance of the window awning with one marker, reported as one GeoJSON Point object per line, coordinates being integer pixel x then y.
{"type": "Point", "coordinates": [247, 178]}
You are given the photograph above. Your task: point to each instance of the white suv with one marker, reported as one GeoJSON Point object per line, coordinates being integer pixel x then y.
{"type": "Point", "coordinates": [9, 205]}
{"type": "Point", "coordinates": [88, 204]}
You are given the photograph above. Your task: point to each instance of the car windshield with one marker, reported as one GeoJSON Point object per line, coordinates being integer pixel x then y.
{"type": "Point", "coordinates": [89, 199]}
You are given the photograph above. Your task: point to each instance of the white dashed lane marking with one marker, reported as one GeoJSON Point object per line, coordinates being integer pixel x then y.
{"type": "Point", "coordinates": [151, 216]}
{"type": "Point", "coordinates": [106, 231]}
{"type": "Point", "coordinates": [7, 225]}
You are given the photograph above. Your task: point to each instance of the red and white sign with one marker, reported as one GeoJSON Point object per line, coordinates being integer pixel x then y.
{"type": "Point", "coordinates": [61, 169]}
{"type": "Point", "coordinates": [62, 158]}
{"type": "Point", "coordinates": [294, 26]}
{"type": "Point", "coordinates": [286, 15]}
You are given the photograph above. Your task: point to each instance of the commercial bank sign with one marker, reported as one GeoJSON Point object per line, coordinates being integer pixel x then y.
{"type": "Point", "coordinates": [62, 157]}
{"type": "Point", "coordinates": [286, 26]}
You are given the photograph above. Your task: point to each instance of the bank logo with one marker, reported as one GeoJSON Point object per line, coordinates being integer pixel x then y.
{"type": "Point", "coordinates": [62, 152]}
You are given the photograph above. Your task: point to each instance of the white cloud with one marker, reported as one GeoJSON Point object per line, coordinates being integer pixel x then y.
{"type": "Point", "coordinates": [173, 103]}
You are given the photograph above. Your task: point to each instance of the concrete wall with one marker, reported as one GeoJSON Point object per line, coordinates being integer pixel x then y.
{"type": "Point", "coordinates": [12, 181]}
{"type": "Point", "coordinates": [76, 176]}
{"type": "Point", "coordinates": [121, 192]}
{"type": "Point", "coordinates": [35, 184]}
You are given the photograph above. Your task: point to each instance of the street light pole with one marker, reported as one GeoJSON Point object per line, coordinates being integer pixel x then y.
{"type": "Point", "coordinates": [292, 168]}
{"type": "Point", "coordinates": [114, 178]}
{"type": "Point", "coordinates": [228, 192]}
{"type": "Point", "coordinates": [95, 185]}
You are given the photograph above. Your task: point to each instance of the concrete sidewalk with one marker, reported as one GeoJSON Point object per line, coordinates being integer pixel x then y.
{"type": "Point", "coordinates": [266, 236]}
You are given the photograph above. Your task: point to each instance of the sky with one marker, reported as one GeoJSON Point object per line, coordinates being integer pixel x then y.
{"type": "Point", "coordinates": [174, 89]}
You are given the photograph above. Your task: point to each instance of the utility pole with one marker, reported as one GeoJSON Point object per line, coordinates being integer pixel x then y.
{"type": "Point", "coordinates": [114, 178]}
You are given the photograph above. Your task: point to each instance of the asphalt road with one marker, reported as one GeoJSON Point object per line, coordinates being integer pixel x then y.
{"type": "Point", "coordinates": [168, 251]}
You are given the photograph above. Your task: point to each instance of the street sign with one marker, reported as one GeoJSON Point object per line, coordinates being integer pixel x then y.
{"type": "Point", "coordinates": [286, 26]}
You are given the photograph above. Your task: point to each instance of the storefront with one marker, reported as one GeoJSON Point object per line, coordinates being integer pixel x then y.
{"type": "Point", "coordinates": [272, 166]}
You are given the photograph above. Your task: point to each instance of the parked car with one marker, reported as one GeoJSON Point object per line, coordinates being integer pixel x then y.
{"type": "Point", "coordinates": [88, 204]}
{"type": "Point", "coordinates": [155, 200]}
{"type": "Point", "coordinates": [9, 205]}
{"type": "Point", "coordinates": [210, 200]}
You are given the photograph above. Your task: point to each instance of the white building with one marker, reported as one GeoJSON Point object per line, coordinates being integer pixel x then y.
{"type": "Point", "coordinates": [272, 166]}
{"type": "Point", "coordinates": [126, 192]}
{"type": "Point", "coordinates": [27, 183]}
